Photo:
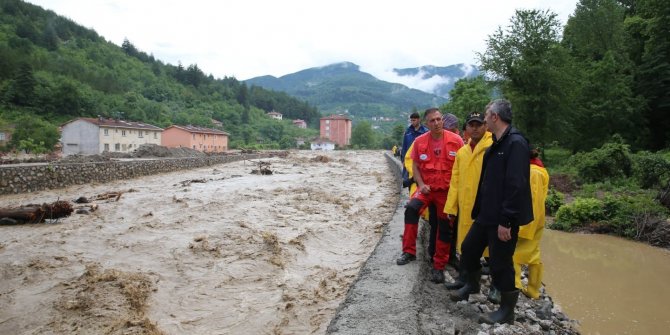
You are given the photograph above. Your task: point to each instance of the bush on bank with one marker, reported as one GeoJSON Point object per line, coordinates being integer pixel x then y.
{"type": "Point", "coordinates": [618, 192]}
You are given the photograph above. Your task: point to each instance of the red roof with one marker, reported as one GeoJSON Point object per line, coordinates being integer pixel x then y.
{"type": "Point", "coordinates": [200, 130]}
{"type": "Point", "coordinates": [335, 117]}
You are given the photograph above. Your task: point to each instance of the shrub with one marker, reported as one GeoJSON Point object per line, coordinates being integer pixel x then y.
{"type": "Point", "coordinates": [630, 215]}
{"type": "Point", "coordinates": [650, 169]}
{"type": "Point", "coordinates": [579, 213]}
{"type": "Point", "coordinates": [611, 161]}
{"type": "Point", "coordinates": [554, 201]}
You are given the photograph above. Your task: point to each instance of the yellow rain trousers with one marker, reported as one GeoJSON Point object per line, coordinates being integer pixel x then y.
{"type": "Point", "coordinates": [528, 246]}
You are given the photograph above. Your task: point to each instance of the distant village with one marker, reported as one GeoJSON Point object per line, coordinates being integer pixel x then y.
{"type": "Point", "coordinates": [91, 136]}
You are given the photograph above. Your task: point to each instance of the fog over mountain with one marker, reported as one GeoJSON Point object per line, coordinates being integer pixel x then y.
{"type": "Point", "coordinates": [430, 79]}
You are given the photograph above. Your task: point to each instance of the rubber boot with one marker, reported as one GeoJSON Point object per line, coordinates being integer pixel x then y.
{"type": "Point", "coordinates": [458, 282]}
{"type": "Point", "coordinates": [471, 286]}
{"type": "Point", "coordinates": [517, 276]}
{"type": "Point", "coordinates": [504, 314]}
{"type": "Point", "coordinates": [535, 272]}
{"type": "Point", "coordinates": [494, 295]}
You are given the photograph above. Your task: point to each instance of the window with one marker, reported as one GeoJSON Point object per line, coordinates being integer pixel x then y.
{"type": "Point", "coordinates": [123, 133]}
{"type": "Point", "coordinates": [106, 132]}
{"type": "Point", "coordinates": [327, 121]}
{"type": "Point", "coordinates": [155, 134]}
{"type": "Point", "coordinates": [327, 127]}
{"type": "Point", "coordinates": [106, 146]}
{"type": "Point", "coordinates": [117, 147]}
{"type": "Point", "coordinates": [140, 134]}
{"type": "Point", "coordinates": [194, 138]}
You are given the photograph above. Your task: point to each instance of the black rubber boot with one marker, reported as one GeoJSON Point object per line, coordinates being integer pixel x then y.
{"type": "Point", "coordinates": [494, 295]}
{"type": "Point", "coordinates": [471, 286]}
{"type": "Point", "coordinates": [458, 282]}
{"type": "Point", "coordinates": [504, 314]}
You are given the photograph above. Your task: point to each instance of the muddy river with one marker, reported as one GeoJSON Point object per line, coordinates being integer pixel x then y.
{"type": "Point", "coordinates": [611, 285]}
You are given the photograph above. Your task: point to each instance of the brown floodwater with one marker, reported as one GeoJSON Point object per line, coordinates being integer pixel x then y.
{"type": "Point", "coordinates": [611, 285]}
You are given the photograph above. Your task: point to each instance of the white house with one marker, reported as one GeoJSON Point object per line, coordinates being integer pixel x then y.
{"type": "Point", "coordinates": [89, 136]}
{"type": "Point", "coordinates": [322, 144]}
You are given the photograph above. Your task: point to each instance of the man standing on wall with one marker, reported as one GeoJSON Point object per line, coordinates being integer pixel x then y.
{"type": "Point", "coordinates": [503, 203]}
{"type": "Point", "coordinates": [433, 158]}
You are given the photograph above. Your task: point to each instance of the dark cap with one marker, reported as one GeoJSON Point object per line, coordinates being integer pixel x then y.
{"type": "Point", "coordinates": [475, 116]}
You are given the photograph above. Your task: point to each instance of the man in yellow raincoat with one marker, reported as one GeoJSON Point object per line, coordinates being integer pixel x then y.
{"type": "Point", "coordinates": [528, 245]}
{"type": "Point", "coordinates": [465, 180]}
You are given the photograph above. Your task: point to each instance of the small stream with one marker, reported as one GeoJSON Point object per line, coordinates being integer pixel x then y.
{"type": "Point", "coordinates": [611, 285]}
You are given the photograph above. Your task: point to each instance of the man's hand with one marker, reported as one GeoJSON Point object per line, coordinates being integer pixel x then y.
{"type": "Point", "coordinates": [504, 234]}
{"type": "Point", "coordinates": [424, 189]}
{"type": "Point", "coordinates": [452, 219]}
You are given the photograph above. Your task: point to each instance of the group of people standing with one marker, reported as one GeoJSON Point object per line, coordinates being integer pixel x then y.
{"type": "Point", "coordinates": [483, 195]}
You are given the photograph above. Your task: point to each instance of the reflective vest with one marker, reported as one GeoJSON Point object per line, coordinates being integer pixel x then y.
{"type": "Point", "coordinates": [436, 171]}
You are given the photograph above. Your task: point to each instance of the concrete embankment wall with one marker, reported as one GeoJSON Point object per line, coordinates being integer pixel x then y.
{"type": "Point", "coordinates": [34, 177]}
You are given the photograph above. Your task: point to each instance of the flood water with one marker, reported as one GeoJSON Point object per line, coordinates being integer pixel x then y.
{"type": "Point", "coordinates": [611, 285]}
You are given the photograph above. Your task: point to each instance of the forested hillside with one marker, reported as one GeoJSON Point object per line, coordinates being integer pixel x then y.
{"type": "Point", "coordinates": [343, 86]}
{"type": "Point", "coordinates": [607, 71]}
{"type": "Point", "coordinates": [53, 70]}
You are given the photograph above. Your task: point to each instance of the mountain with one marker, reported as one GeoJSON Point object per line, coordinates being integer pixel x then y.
{"type": "Point", "coordinates": [434, 79]}
{"type": "Point", "coordinates": [344, 88]}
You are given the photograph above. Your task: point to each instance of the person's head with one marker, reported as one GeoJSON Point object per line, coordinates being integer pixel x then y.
{"type": "Point", "coordinates": [534, 152]}
{"type": "Point", "coordinates": [433, 119]}
{"type": "Point", "coordinates": [415, 119]}
{"type": "Point", "coordinates": [498, 114]}
{"type": "Point", "coordinates": [450, 122]}
{"type": "Point", "coordinates": [475, 126]}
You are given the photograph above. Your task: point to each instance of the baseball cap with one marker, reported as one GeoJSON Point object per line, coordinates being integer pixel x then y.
{"type": "Point", "coordinates": [450, 121]}
{"type": "Point", "coordinates": [475, 116]}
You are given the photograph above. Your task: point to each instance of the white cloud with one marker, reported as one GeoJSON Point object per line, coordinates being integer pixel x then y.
{"type": "Point", "coordinates": [258, 37]}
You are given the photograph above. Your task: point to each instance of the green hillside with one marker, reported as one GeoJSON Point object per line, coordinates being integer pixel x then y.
{"type": "Point", "coordinates": [53, 70]}
{"type": "Point", "coordinates": [343, 87]}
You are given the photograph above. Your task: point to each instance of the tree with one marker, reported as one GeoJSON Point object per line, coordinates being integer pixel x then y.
{"type": "Point", "coordinates": [23, 90]}
{"type": "Point", "coordinates": [532, 70]}
{"type": "Point", "coordinates": [468, 95]}
{"type": "Point", "coordinates": [653, 80]}
{"type": "Point", "coordinates": [32, 133]}
{"type": "Point", "coordinates": [362, 136]}
{"type": "Point", "coordinates": [595, 38]}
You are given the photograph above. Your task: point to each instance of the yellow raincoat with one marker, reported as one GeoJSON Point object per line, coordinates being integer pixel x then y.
{"type": "Point", "coordinates": [528, 245]}
{"type": "Point", "coordinates": [464, 183]}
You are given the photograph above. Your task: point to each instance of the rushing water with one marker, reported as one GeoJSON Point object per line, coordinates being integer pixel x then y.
{"type": "Point", "coordinates": [611, 285]}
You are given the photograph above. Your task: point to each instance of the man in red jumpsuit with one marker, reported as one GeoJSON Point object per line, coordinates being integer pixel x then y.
{"type": "Point", "coordinates": [433, 155]}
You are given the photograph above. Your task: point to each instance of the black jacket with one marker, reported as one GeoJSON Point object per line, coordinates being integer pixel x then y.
{"type": "Point", "coordinates": [503, 196]}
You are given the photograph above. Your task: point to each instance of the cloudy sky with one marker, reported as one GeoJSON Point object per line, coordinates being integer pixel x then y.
{"type": "Point", "coordinates": [249, 38]}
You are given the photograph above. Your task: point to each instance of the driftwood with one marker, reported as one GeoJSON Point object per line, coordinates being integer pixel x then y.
{"type": "Point", "coordinates": [109, 195]}
{"type": "Point", "coordinates": [34, 213]}
{"type": "Point", "coordinates": [263, 169]}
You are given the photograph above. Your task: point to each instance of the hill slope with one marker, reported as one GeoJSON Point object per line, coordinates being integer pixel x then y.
{"type": "Point", "coordinates": [435, 79]}
{"type": "Point", "coordinates": [343, 87]}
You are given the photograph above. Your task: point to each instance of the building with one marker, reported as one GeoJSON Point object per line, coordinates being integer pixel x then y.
{"type": "Point", "coordinates": [89, 136]}
{"type": "Point", "coordinates": [275, 115]}
{"type": "Point", "coordinates": [300, 123]}
{"type": "Point", "coordinates": [5, 135]}
{"type": "Point", "coordinates": [198, 138]}
{"type": "Point", "coordinates": [322, 144]}
{"type": "Point", "coordinates": [337, 129]}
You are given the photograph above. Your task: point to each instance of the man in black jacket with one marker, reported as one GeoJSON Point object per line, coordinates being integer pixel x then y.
{"type": "Point", "coordinates": [503, 203]}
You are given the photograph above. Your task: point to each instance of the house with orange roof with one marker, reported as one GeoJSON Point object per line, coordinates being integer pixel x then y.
{"type": "Point", "coordinates": [198, 138]}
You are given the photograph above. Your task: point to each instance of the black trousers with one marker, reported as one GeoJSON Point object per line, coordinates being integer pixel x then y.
{"type": "Point", "coordinates": [501, 262]}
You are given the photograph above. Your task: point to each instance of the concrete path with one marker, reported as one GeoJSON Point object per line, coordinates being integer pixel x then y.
{"type": "Point", "coordinates": [392, 299]}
